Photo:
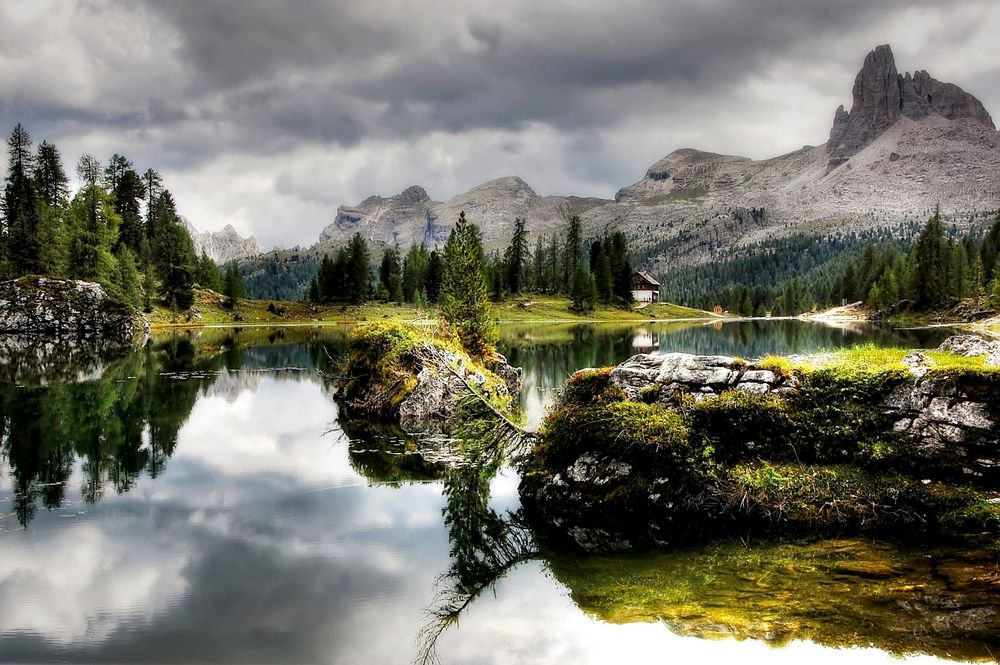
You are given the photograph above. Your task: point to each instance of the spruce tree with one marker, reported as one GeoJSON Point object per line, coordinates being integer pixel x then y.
{"type": "Point", "coordinates": [516, 258]}
{"type": "Point", "coordinates": [435, 276]}
{"type": "Point", "coordinates": [50, 176]}
{"type": "Point", "coordinates": [389, 275]}
{"type": "Point", "coordinates": [930, 264]}
{"type": "Point", "coordinates": [232, 286]}
{"type": "Point", "coordinates": [20, 210]}
{"type": "Point", "coordinates": [358, 269]}
{"type": "Point", "coordinates": [465, 302]}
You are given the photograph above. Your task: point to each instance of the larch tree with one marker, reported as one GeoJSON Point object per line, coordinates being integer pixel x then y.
{"type": "Point", "coordinates": [465, 301]}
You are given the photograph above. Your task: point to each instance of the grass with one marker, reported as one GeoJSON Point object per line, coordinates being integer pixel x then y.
{"type": "Point", "coordinates": [556, 308]}
{"type": "Point", "coordinates": [871, 358]}
{"type": "Point", "coordinates": [208, 310]}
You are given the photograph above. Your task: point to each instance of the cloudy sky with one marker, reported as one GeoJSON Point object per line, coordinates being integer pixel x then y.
{"type": "Point", "coordinates": [267, 115]}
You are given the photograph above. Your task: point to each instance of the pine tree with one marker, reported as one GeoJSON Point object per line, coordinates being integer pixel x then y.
{"type": "Point", "coordinates": [435, 276]}
{"type": "Point", "coordinates": [582, 290]}
{"type": "Point", "coordinates": [172, 253]}
{"type": "Point", "coordinates": [415, 272]}
{"type": "Point", "coordinates": [20, 210]}
{"type": "Point", "coordinates": [232, 286]}
{"type": "Point", "coordinates": [50, 177]}
{"type": "Point", "coordinates": [465, 302]}
{"type": "Point", "coordinates": [206, 273]}
{"type": "Point", "coordinates": [358, 272]}
{"type": "Point", "coordinates": [977, 281]}
{"type": "Point", "coordinates": [538, 267]}
{"type": "Point", "coordinates": [930, 264]}
{"type": "Point", "coordinates": [389, 275]}
{"type": "Point", "coordinates": [94, 228]}
{"type": "Point", "coordinates": [574, 246]}
{"type": "Point", "coordinates": [516, 257]}
{"type": "Point", "coordinates": [127, 277]}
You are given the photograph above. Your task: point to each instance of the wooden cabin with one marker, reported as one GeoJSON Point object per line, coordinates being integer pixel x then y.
{"type": "Point", "coordinates": [645, 288]}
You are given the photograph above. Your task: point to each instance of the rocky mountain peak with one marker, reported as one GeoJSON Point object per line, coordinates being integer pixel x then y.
{"type": "Point", "coordinates": [881, 96]}
{"type": "Point", "coordinates": [222, 246]}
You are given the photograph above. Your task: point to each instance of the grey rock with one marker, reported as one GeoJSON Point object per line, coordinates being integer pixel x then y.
{"type": "Point", "coordinates": [970, 346]}
{"type": "Point", "coordinates": [441, 384]}
{"type": "Point", "coordinates": [222, 246]}
{"type": "Point", "coordinates": [882, 96]}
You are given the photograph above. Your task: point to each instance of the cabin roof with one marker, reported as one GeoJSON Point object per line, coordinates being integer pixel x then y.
{"type": "Point", "coordinates": [649, 278]}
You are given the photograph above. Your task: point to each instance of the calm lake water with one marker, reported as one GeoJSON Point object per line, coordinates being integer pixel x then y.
{"type": "Point", "coordinates": [200, 501]}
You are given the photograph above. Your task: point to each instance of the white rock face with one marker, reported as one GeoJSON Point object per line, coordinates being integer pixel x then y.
{"type": "Point", "coordinates": [222, 246]}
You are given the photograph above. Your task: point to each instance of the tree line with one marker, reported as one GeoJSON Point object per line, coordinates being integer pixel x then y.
{"type": "Point", "coordinates": [930, 264]}
{"type": "Point", "coordinates": [590, 271]}
{"type": "Point", "coordinates": [120, 228]}
{"type": "Point", "coordinates": [938, 271]}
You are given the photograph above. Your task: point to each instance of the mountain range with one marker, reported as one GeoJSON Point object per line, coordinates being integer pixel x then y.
{"type": "Point", "coordinates": [908, 143]}
{"type": "Point", "coordinates": [222, 246]}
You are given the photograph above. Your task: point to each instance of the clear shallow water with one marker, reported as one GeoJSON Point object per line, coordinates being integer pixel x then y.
{"type": "Point", "coordinates": [200, 502]}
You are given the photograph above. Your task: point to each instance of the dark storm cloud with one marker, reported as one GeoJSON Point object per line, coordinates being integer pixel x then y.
{"type": "Point", "coordinates": [316, 67]}
{"type": "Point", "coordinates": [258, 108]}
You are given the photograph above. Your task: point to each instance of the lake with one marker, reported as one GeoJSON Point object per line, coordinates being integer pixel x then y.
{"type": "Point", "coordinates": [199, 500]}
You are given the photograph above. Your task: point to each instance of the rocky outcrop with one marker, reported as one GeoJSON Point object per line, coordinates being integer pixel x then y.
{"type": "Point", "coordinates": [223, 246]}
{"type": "Point", "coordinates": [664, 377]}
{"type": "Point", "coordinates": [444, 380]}
{"type": "Point", "coordinates": [65, 308]}
{"type": "Point", "coordinates": [882, 96]}
{"type": "Point", "coordinates": [52, 329]}
{"type": "Point", "coordinates": [662, 447]}
{"type": "Point", "coordinates": [972, 346]}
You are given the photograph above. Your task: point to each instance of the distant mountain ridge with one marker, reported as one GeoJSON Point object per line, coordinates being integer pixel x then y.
{"type": "Point", "coordinates": [413, 217]}
{"type": "Point", "coordinates": [908, 143]}
{"type": "Point", "coordinates": [223, 246]}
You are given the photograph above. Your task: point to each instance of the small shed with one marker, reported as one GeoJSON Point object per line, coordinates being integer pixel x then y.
{"type": "Point", "coordinates": [645, 288]}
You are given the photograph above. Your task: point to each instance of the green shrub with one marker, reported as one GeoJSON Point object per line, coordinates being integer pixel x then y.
{"type": "Point", "coordinates": [590, 386]}
{"type": "Point", "coordinates": [740, 426]}
{"type": "Point", "coordinates": [652, 438]}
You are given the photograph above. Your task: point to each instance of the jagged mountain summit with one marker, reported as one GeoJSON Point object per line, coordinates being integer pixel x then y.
{"type": "Point", "coordinates": [882, 96]}
{"type": "Point", "coordinates": [223, 246]}
{"type": "Point", "coordinates": [908, 143]}
{"type": "Point", "coordinates": [413, 217]}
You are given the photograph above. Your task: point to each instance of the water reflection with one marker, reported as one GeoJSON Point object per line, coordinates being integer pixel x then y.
{"type": "Point", "coordinates": [200, 500]}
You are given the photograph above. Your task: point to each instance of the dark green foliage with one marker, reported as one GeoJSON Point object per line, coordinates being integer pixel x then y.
{"type": "Point", "coordinates": [128, 279]}
{"type": "Point", "coordinates": [50, 176]}
{"type": "Point", "coordinates": [345, 278]}
{"type": "Point", "coordinates": [435, 276]}
{"type": "Point", "coordinates": [173, 253]}
{"type": "Point", "coordinates": [20, 209]}
{"type": "Point", "coordinates": [930, 265]}
{"type": "Point", "coordinates": [415, 272]}
{"type": "Point", "coordinates": [128, 190]}
{"type": "Point", "coordinates": [207, 274]}
{"type": "Point", "coordinates": [390, 275]}
{"type": "Point", "coordinates": [232, 286]}
{"type": "Point", "coordinates": [465, 302]}
{"type": "Point", "coordinates": [583, 294]}
{"type": "Point", "coordinates": [516, 258]}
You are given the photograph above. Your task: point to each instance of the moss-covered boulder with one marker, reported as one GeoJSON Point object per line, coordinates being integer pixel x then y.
{"type": "Point", "coordinates": [419, 376]}
{"type": "Point", "coordinates": [668, 445]}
